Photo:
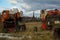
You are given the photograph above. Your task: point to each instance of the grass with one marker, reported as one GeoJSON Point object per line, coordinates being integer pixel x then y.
{"type": "Point", "coordinates": [29, 34]}
{"type": "Point", "coordinates": [39, 35]}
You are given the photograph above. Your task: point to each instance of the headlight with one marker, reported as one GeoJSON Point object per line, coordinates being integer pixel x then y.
{"type": "Point", "coordinates": [48, 23]}
{"type": "Point", "coordinates": [56, 22]}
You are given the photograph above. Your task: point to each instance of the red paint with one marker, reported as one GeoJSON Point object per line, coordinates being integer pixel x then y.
{"type": "Point", "coordinates": [50, 12]}
{"type": "Point", "coordinates": [44, 26]}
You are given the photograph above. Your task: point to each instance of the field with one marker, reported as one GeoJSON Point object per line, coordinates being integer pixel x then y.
{"type": "Point", "coordinates": [29, 34]}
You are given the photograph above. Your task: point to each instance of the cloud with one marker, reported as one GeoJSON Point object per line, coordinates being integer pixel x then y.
{"type": "Point", "coordinates": [25, 6]}
{"type": "Point", "coordinates": [3, 8]}
{"type": "Point", "coordinates": [51, 5]}
{"type": "Point", "coordinates": [30, 13]}
{"type": "Point", "coordinates": [32, 5]}
{"type": "Point", "coordinates": [37, 11]}
{"type": "Point", "coordinates": [13, 1]}
{"type": "Point", "coordinates": [41, 4]}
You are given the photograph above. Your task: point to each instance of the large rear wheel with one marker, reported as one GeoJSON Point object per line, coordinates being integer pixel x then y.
{"type": "Point", "coordinates": [56, 34]}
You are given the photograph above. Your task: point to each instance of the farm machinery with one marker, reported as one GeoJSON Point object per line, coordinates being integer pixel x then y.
{"type": "Point", "coordinates": [12, 24]}
{"type": "Point", "coordinates": [51, 18]}
{"type": "Point", "coordinates": [51, 21]}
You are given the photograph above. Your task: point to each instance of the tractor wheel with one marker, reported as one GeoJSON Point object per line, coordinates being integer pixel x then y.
{"type": "Point", "coordinates": [56, 34]}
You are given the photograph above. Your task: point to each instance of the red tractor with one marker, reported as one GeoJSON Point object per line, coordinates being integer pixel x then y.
{"type": "Point", "coordinates": [8, 22]}
{"type": "Point", "coordinates": [12, 24]}
{"type": "Point", "coordinates": [53, 22]}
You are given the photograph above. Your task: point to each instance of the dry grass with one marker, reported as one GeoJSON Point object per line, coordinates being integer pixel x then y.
{"type": "Point", "coordinates": [29, 34]}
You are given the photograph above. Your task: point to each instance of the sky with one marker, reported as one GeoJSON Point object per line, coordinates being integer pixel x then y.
{"type": "Point", "coordinates": [28, 6]}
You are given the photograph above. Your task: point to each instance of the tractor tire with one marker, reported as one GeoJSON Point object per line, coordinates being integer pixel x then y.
{"type": "Point", "coordinates": [56, 34]}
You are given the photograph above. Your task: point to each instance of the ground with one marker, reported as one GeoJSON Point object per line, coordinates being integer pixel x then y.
{"type": "Point", "coordinates": [29, 34]}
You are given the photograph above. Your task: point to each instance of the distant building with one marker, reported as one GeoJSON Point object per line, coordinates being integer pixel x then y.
{"type": "Point", "coordinates": [30, 19]}
{"type": "Point", "coordinates": [33, 18]}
